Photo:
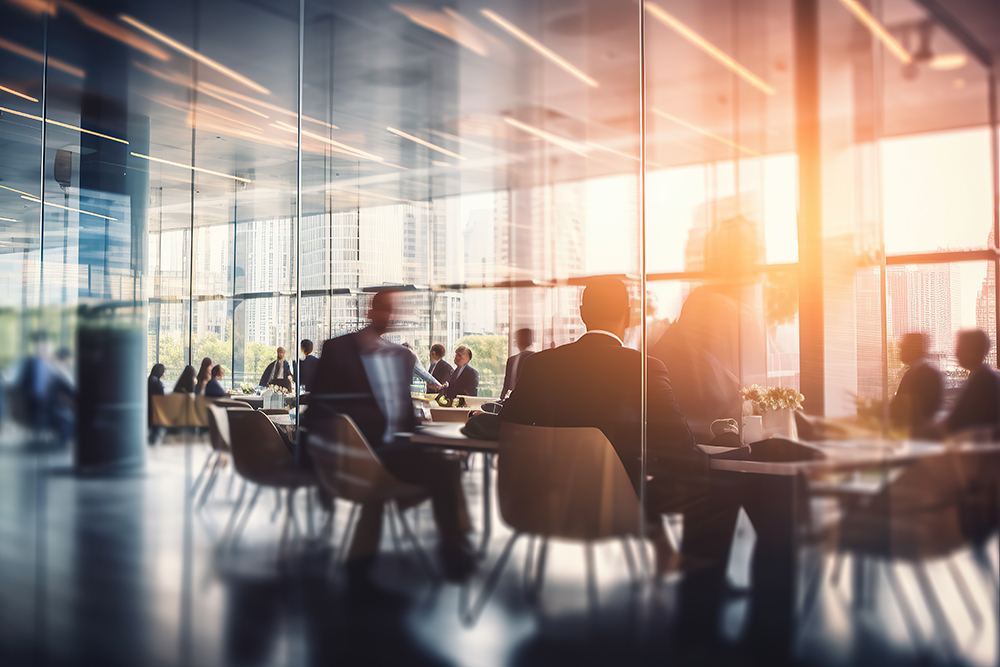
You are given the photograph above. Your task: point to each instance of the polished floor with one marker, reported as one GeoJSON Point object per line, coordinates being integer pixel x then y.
{"type": "Point", "coordinates": [129, 571]}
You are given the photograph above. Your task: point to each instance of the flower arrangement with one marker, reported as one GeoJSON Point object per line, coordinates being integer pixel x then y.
{"type": "Point", "coordinates": [757, 400]}
{"type": "Point", "coordinates": [278, 389]}
{"type": "Point", "coordinates": [248, 389]}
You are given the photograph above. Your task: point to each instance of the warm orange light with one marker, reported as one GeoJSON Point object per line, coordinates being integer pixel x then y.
{"type": "Point", "coordinates": [424, 143]}
{"type": "Point", "coordinates": [877, 29]}
{"type": "Point", "coordinates": [540, 48]}
{"type": "Point", "coordinates": [445, 24]}
{"type": "Point", "coordinates": [39, 58]}
{"type": "Point", "coordinates": [690, 35]}
{"type": "Point", "coordinates": [66, 125]}
{"type": "Point", "coordinates": [21, 95]}
{"type": "Point", "coordinates": [67, 208]}
{"type": "Point", "coordinates": [710, 135]}
{"type": "Point", "coordinates": [948, 61]}
{"type": "Point", "coordinates": [569, 145]}
{"type": "Point", "coordinates": [114, 31]}
{"type": "Point", "coordinates": [191, 53]}
{"type": "Point", "coordinates": [20, 192]}
{"type": "Point", "coordinates": [191, 167]}
{"type": "Point", "coordinates": [246, 98]}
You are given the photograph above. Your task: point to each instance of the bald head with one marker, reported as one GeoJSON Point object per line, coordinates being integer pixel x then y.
{"type": "Point", "coordinates": [605, 306]}
{"type": "Point", "coordinates": [380, 312]}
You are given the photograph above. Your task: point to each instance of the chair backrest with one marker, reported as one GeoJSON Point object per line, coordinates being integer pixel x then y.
{"type": "Point", "coordinates": [347, 466]}
{"type": "Point", "coordinates": [257, 447]}
{"type": "Point", "coordinates": [564, 483]}
{"type": "Point", "coordinates": [171, 410]}
{"type": "Point", "coordinates": [449, 415]}
{"type": "Point", "coordinates": [218, 426]}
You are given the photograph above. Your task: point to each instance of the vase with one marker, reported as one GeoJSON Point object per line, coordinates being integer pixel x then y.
{"type": "Point", "coordinates": [752, 429]}
{"type": "Point", "coordinates": [780, 422]}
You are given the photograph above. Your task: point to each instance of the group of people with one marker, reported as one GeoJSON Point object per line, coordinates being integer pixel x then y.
{"type": "Point", "coordinates": [206, 382]}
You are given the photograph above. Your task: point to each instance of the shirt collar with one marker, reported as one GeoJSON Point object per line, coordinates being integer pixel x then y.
{"type": "Point", "coordinates": [606, 333]}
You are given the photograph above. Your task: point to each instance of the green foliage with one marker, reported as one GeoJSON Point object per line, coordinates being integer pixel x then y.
{"type": "Point", "coordinates": [489, 357]}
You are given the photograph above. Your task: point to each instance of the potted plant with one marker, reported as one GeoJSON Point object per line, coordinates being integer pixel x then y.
{"type": "Point", "coordinates": [773, 409]}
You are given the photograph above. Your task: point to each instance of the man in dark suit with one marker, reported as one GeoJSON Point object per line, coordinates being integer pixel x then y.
{"type": "Point", "coordinates": [439, 369]}
{"type": "Point", "coordinates": [307, 367]}
{"type": "Point", "coordinates": [214, 388]}
{"type": "Point", "coordinates": [597, 382]}
{"type": "Point", "coordinates": [464, 379]}
{"type": "Point", "coordinates": [523, 338]}
{"type": "Point", "coordinates": [921, 389]}
{"type": "Point", "coordinates": [154, 384]}
{"type": "Point", "coordinates": [368, 379]}
{"type": "Point", "coordinates": [976, 406]}
{"type": "Point", "coordinates": [278, 372]}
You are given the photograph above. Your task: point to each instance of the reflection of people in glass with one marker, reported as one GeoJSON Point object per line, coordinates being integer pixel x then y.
{"type": "Point", "coordinates": [367, 378]}
{"type": "Point", "coordinates": [214, 388]}
{"type": "Point", "coordinates": [523, 339]}
{"type": "Point", "coordinates": [204, 375]}
{"type": "Point", "coordinates": [464, 379]}
{"type": "Point", "coordinates": [976, 406]}
{"type": "Point", "coordinates": [278, 372]}
{"type": "Point", "coordinates": [185, 383]}
{"type": "Point", "coordinates": [921, 389]}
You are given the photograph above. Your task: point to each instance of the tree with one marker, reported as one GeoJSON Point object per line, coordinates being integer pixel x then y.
{"type": "Point", "coordinates": [489, 357]}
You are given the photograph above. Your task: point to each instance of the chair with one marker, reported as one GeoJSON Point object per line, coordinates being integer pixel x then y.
{"type": "Point", "coordinates": [261, 457]}
{"type": "Point", "coordinates": [450, 415]}
{"type": "Point", "coordinates": [562, 483]}
{"type": "Point", "coordinates": [218, 432]}
{"type": "Point", "coordinates": [347, 466]}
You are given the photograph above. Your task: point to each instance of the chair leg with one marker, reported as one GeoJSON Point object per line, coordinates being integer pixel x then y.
{"type": "Point", "coordinates": [197, 480]}
{"type": "Point", "coordinates": [588, 556]}
{"type": "Point", "coordinates": [278, 505]}
{"type": "Point", "coordinates": [528, 576]}
{"type": "Point", "coordinates": [348, 529]}
{"type": "Point", "coordinates": [966, 593]}
{"type": "Point", "coordinates": [630, 561]}
{"type": "Point", "coordinates": [393, 530]}
{"type": "Point", "coordinates": [210, 483]}
{"type": "Point", "coordinates": [934, 606]}
{"type": "Point", "coordinates": [543, 552]}
{"type": "Point", "coordinates": [232, 517]}
{"type": "Point", "coordinates": [421, 555]}
{"type": "Point", "coordinates": [246, 518]}
{"type": "Point", "coordinates": [905, 608]}
{"type": "Point", "coordinates": [469, 616]}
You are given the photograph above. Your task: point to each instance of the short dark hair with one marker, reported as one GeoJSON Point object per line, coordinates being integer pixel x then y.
{"type": "Point", "coordinates": [605, 300]}
{"type": "Point", "coordinates": [158, 370]}
{"type": "Point", "coordinates": [438, 349]}
{"type": "Point", "coordinates": [467, 349]}
{"type": "Point", "coordinates": [975, 340]}
{"type": "Point", "coordinates": [217, 371]}
{"type": "Point", "coordinates": [307, 346]}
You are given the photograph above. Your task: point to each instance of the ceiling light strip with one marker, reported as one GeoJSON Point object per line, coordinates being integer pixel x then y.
{"type": "Point", "coordinates": [702, 131]}
{"type": "Point", "coordinates": [339, 147]}
{"type": "Point", "coordinates": [39, 58]}
{"type": "Point", "coordinates": [710, 49]}
{"type": "Point", "coordinates": [68, 208]}
{"type": "Point", "coordinates": [877, 29]}
{"type": "Point", "coordinates": [425, 143]}
{"type": "Point", "coordinates": [538, 47]}
{"type": "Point", "coordinates": [19, 94]}
{"type": "Point", "coordinates": [569, 145]}
{"type": "Point", "coordinates": [20, 192]}
{"type": "Point", "coordinates": [191, 167]}
{"type": "Point", "coordinates": [66, 125]}
{"type": "Point", "coordinates": [7, 219]}
{"type": "Point", "coordinates": [191, 53]}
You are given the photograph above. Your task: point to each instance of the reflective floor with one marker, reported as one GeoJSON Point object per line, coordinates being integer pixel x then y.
{"type": "Point", "coordinates": [98, 571]}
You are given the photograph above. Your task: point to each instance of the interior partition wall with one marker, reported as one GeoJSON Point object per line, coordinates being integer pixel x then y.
{"type": "Point", "coordinates": [784, 188]}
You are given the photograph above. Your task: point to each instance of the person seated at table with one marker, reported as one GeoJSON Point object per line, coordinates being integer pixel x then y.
{"type": "Point", "coordinates": [214, 388]}
{"type": "Point", "coordinates": [464, 380]}
{"type": "Point", "coordinates": [204, 375]}
{"type": "Point", "coordinates": [523, 339]}
{"type": "Point", "coordinates": [154, 387]}
{"type": "Point", "coordinates": [556, 388]}
{"type": "Point", "coordinates": [920, 392]}
{"type": "Point", "coordinates": [307, 367]}
{"type": "Point", "coordinates": [367, 378]}
{"type": "Point", "coordinates": [439, 369]}
{"type": "Point", "coordinates": [278, 372]}
{"type": "Point", "coordinates": [976, 406]}
{"type": "Point", "coordinates": [185, 383]}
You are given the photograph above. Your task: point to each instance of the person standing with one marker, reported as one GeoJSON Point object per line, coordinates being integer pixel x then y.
{"type": "Point", "coordinates": [307, 367]}
{"type": "Point", "coordinates": [278, 372]}
{"type": "Point", "coordinates": [523, 339]}
{"type": "Point", "coordinates": [465, 379]}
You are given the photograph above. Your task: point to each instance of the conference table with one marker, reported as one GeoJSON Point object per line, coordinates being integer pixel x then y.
{"type": "Point", "coordinates": [778, 491]}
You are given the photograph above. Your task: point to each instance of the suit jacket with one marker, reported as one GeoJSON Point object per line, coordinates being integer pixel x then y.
{"type": "Point", "coordinates": [976, 406]}
{"type": "Point", "coordinates": [214, 389]}
{"type": "Point", "coordinates": [440, 371]}
{"type": "Point", "coordinates": [918, 398]}
{"type": "Point", "coordinates": [306, 370]}
{"type": "Point", "coordinates": [341, 385]}
{"type": "Point", "coordinates": [597, 382]}
{"type": "Point", "coordinates": [154, 388]}
{"type": "Point", "coordinates": [270, 367]}
{"type": "Point", "coordinates": [509, 378]}
{"type": "Point", "coordinates": [466, 384]}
